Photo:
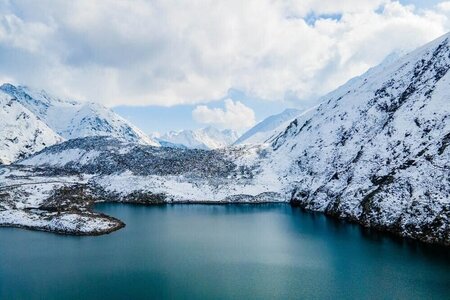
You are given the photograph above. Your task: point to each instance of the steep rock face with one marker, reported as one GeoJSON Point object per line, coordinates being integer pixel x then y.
{"type": "Point", "coordinates": [22, 133]}
{"type": "Point", "coordinates": [72, 119]}
{"type": "Point", "coordinates": [376, 149]}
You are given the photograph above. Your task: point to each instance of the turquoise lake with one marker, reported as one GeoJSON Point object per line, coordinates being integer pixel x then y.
{"type": "Point", "coordinates": [221, 252]}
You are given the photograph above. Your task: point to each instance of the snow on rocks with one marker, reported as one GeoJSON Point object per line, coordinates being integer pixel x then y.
{"type": "Point", "coordinates": [58, 204]}
{"type": "Point", "coordinates": [22, 133]}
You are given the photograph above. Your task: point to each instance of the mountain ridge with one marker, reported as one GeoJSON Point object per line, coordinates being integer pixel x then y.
{"type": "Point", "coordinates": [67, 119]}
{"type": "Point", "coordinates": [73, 119]}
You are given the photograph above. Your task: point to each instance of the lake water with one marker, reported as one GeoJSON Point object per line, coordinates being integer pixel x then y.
{"type": "Point", "coordinates": [220, 252]}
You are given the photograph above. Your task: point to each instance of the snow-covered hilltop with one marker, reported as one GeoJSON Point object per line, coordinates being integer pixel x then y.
{"type": "Point", "coordinates": [375, 151]}
{"type": "Point", "coordinates": [53, 190]}
{"type": "Point", "coordinates": [72, 119]}
{"type": "Point", "coordinates": [205, 138]}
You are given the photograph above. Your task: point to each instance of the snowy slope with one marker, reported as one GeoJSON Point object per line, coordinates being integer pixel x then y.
{"type": "Point", "coordinates": [267, 127]}
{"type": "Point", "coordinates": [21, 133]}
{"type": "Point", "coordinates": [376, 149]}
{"type": "Point", "coordinates": [205, 138]}
{"type": "Point", "coordinates": [72, 119]}
{"type": "Point", "coordinates": [124, 170]}
{"type": "Point", "coordinates": [273, 125]}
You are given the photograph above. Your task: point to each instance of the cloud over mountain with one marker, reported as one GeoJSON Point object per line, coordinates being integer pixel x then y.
{"type": "Point", "coordinates": [169, 52]}
{"type": "Point", "coordinates": [235, 115]}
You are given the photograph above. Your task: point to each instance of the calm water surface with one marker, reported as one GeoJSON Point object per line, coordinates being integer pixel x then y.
{"type": "Point", "coordinates": [220, 252]}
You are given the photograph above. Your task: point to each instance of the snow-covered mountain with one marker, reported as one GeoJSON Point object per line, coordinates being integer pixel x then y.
{"type": "Point", "coordinates": [262, 131]}
{"type": "Point", "coordinates": [72, 119]}
{"type": "Point", "coordinates": [205, 138]}
{"type": "Point", "coordinates": [22, 133]}
{"type": "Point", "coordinates": [376, 149]}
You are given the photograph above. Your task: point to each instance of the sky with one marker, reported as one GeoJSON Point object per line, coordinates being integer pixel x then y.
{"type": "Point", "coordinates": [171, 65]}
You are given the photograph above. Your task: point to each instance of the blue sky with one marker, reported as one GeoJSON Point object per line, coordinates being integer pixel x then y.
{"type": "Point", "coordinates": [170, 65]}
{"type": "Point", "coordinates": [421, 3]}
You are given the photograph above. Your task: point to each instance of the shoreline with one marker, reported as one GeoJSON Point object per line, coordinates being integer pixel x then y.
{"type": "Point", "coordinates": [384, 231]}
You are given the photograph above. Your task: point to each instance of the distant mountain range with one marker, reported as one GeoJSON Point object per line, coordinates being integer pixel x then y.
{"type": "Point", "coordinates": [47, 120]}
{"type": "Point", "coordinates": [205, 138]}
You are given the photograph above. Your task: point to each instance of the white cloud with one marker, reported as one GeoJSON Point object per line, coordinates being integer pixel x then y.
{"type": "Point", "coordinates": [445, 5]}
{"type": "Point", "coordinates": [235, 115]}
{"type": "Point", "coordinates": [27, 36]}
{"type": "Point", "coordinates": [171, 52]}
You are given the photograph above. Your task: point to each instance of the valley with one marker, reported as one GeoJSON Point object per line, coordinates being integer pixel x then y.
{"type": "Point", "coordinates": [374, 151]}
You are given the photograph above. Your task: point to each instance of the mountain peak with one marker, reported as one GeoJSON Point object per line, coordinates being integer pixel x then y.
{"type": "Point", "coordinates": [72, 119]}
{"type": "Point", "coordinates": [7, 86]}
